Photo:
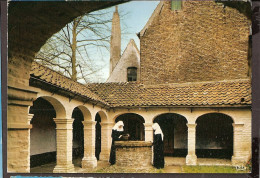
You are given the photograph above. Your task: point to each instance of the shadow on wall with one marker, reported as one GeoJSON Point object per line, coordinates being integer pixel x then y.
{"type": "Point", "coordinates": [42, 134]}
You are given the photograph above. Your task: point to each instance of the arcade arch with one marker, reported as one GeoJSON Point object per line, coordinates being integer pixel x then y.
{"type": "Point", "coordinates": [43, 133]}
{"type": "Point", "coordinates": [133, 125]}
{"type": "Point", "coordinates": [174, 128]}
{"type": "Point", "coordinates": [78, 137]}
{"type": "Point", "coordinates": [214, 136]}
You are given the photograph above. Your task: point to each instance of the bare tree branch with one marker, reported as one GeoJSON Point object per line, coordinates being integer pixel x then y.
{"type": "Point", "coordinates": [75, 49]}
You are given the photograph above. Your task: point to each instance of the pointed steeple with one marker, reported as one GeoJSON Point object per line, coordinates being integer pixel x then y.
{"type": "Point", "coordinates": [115, 42]}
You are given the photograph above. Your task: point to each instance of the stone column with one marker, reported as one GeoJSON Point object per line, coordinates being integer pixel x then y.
{"type": "Point", "coordinates": [149, 135]}
{"type": "Point", "coordinates": [106, 129]}
{"type": "Point", "coordinates": [239, 153]}
{"type": "Point", "coordinates": [18, 127]}
{"type": "Point", "coordinates": [64, 138]}
{"type": "Point", "coordinates": [89, 160]}
{"type": "Point", "coordinates": [148, 131]}
{"type": "Point", "coordinates": [191, 158]}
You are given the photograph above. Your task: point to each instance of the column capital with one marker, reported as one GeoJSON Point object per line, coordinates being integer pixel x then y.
{"type": "Point", "coordinates": [148, 124]}
{"type": "Point", "coordinates": [88, 123]}
{"type": "Point", "coordinates": [30, 116]}
{"type": "Point", "coordinates": [237, 125]}
{"type": "Point", "coordinates": [63, 124]}
{"type": "Point", "coordinates": [107, 123]}
{"type": "Point", "coordinates": [63, 121]}
{"type": "Point", "coordinates": [189, 125]}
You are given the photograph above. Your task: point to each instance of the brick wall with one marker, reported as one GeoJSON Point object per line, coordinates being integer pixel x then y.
{"type": "Point", "coordinates": [201, 42]}
{"type": "Point", "coordinates": [134, 154]}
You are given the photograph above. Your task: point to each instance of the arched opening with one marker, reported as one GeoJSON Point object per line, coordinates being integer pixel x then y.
{"type": "Point", "coordinates": [43, 134]}
{"type": "Point", "coordinates": [98, 136]}
{"type": "Point", "coordinates": [175, 133]}
{"type": "Point", "coordinates": [214, 136]}
{"type": "Point", "coordinates": [133, 125]}
{"type": "Point", "coordinates": [78, 137]}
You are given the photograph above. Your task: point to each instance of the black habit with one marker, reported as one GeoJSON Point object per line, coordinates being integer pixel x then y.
{"type": "Point", "coordinates": [115, 137]}
{"type": "Point", "coordinates": [158, 155]}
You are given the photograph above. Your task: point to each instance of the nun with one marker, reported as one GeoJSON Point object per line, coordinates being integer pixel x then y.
{"type": "Point", "coordinates": [158, 155]}
{"type": "Point", "coordinates": [117, 133]}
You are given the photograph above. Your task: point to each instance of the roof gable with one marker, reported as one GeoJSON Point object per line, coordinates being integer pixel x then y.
{"type": "Point", "coordinates": [155, 13]}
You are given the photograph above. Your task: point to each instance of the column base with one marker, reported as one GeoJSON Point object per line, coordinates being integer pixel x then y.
{"type": "Point", "coordinates": [191, 160]}
{"type": "Point", "coordinates": [89, 162]}
{"type": "Point", "coordinates": [104, 156]}
{"type": "Point", "coordinates": [64, 169]}
{"type": "Point", "coordinates": [238, 161]}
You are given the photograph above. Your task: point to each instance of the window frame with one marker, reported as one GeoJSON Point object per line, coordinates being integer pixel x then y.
{"type": "Point", "coordinates": [131, 75]}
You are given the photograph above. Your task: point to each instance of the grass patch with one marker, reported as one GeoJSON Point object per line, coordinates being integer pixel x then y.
{"type": "Point", "coordinates": [117, 169]}
{"type": "Point", "coordinates": [213, 169]}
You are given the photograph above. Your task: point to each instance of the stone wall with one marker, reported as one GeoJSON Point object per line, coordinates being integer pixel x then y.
{"type": "Point", "coordinates": [21, 138]}
{"type": "Point", "coordinates": [204, 41]}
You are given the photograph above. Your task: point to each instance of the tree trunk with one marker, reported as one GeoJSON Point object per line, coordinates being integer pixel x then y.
{"type": "Point", "coordinates": [74, 48]}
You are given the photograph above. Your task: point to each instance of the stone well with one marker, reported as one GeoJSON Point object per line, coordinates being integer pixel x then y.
{"type": "Point", "coordinates": [134, 154]}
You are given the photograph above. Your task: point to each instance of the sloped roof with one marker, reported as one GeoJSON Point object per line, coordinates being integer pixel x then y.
{"type": "Point", "coordinates": [124, 58]}
{"type": "Point", "coordinates": [156, 11]}
{"type": "Point", "coordinates": [127, 94]}
{"type": "Point", "coordinates": [52, 77]}
{"type": "Point", "coordinates": [236, 92]}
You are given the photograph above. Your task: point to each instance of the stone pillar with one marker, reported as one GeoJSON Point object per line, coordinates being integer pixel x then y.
{"type": "Point", "coordinates": [64, 138]}
{"type": "Point", "coordinates": [89, 160]}
{"type": "Point", "coordinates": [240, 154]}
{"type": "Point", "coordinates": [148, 131]}
{"type": "Point", "coordinates": [106, 129]}
{"type": "Point", "coordinates": [18, 127]}
{"type": "Point", "coordinates": [191, 158]}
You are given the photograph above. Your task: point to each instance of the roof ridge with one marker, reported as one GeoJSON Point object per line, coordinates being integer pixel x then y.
{"type": "Point", "coordinates": [196, 83]}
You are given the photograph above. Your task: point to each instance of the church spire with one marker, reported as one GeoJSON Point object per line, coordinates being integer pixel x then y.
{"type": "Point", "coordinates": [115, 42]}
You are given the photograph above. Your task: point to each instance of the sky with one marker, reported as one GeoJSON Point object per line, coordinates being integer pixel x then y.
{"type": "Point", "coordinates": [138, 13]}
{"type": "Point", "coordinates": [133, 17]}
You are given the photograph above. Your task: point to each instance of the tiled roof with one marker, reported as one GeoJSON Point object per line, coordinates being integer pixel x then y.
{"type": "Point", "coordinates": [236, 92]}
{"type": "Point", "coordinates": [221, 93]}
{"type": "Point", "coordinates": [54, 78]}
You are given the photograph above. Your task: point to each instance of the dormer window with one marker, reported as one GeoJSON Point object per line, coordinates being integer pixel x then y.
{"type": "Point", "coordinates": [131, 74]}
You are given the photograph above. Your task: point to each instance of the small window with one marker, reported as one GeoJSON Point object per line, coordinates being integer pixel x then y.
{"type": "Point", "coordinates": [131, 74]}
{"type": "Point", "coordinates": [176, 5]}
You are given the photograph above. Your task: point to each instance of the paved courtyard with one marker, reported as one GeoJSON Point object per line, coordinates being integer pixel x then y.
{"type": "Point", "coordinates": [172, 165]}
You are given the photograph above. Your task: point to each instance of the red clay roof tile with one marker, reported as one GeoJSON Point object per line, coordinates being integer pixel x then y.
{"type": "Point", "coordinates": [232, 92]}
